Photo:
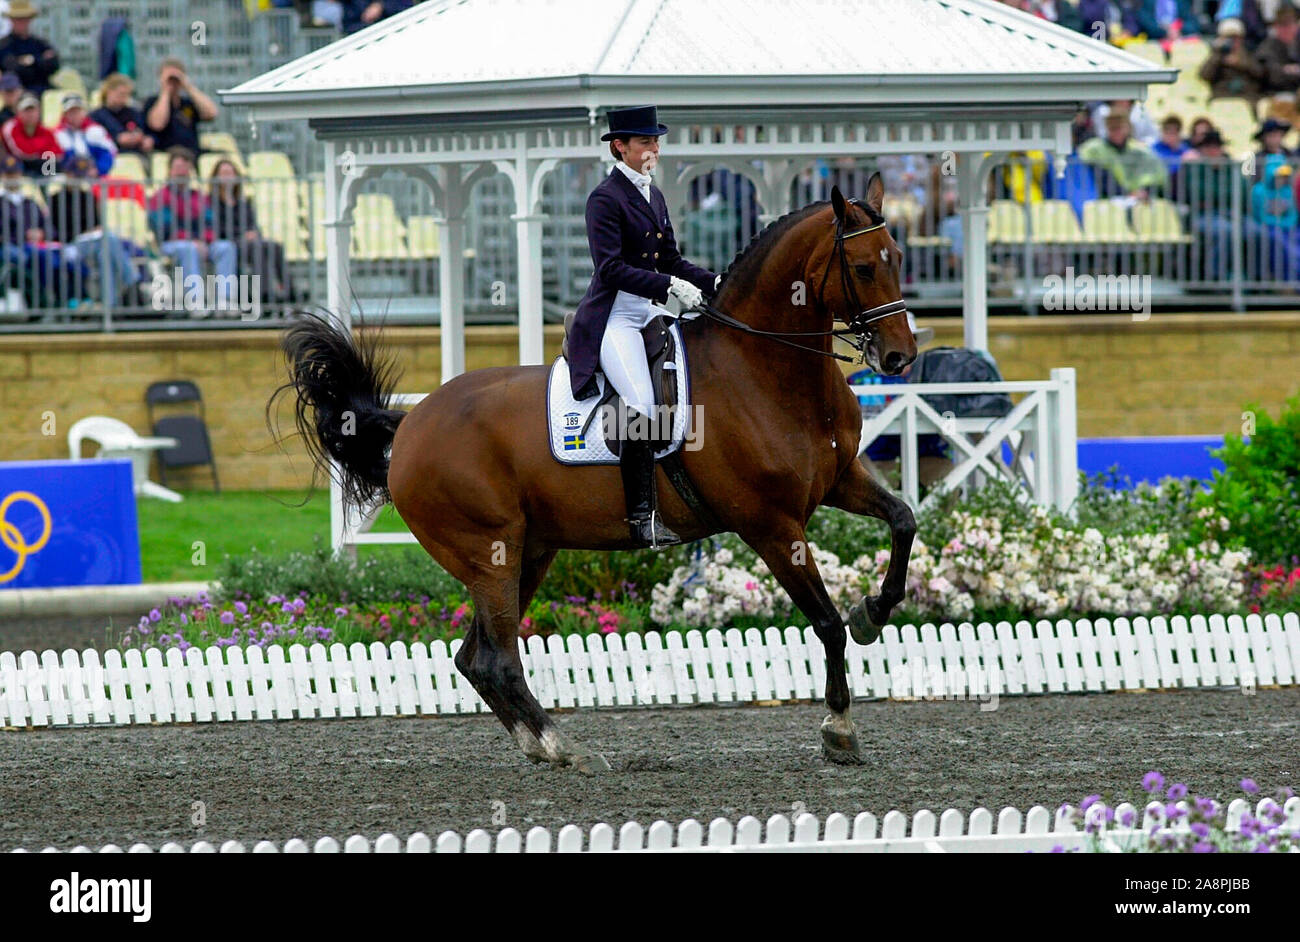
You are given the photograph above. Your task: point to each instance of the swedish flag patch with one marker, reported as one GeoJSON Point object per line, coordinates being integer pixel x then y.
{"type": "Point", "coordinates": [574, 442]}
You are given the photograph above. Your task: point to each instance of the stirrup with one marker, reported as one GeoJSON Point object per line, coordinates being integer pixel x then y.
{"type": "Point", "coordinates": [651, 532]}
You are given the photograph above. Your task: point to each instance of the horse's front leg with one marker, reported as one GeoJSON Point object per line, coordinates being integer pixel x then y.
{"type": "Point", "coordinates": [785, 551]}
{"type": "Point", "coordinates": [858, 492]}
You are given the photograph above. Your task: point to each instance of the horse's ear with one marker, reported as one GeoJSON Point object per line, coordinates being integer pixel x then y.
{"type": "Point", "coordinates": [837, 203]}
{"type": "Point", "coordinates": [876, 193]}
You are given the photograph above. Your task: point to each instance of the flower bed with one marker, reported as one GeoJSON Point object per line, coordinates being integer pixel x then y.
{"type": "Point", "coordinates": [1188, 824]}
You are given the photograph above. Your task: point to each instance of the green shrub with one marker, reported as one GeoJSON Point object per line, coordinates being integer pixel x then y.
{"type": "Point", "coordinates": [1259, 488]}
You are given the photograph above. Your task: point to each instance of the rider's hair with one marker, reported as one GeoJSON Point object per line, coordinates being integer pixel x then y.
{"type": "Point", "coordinates": [626, 139]}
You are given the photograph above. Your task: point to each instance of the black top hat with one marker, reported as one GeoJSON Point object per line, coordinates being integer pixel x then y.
{"type": "Point", "coordinates": [1271, 124]}
{"type": "Point", "coordinates": [642, 121]}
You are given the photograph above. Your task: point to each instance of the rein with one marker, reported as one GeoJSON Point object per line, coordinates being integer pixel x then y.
{"type": "Point", "coordinates": [855, 335]}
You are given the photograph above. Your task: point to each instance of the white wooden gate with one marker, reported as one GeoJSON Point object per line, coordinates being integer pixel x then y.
{"type": "Point", "coordinates": [1041, 430]}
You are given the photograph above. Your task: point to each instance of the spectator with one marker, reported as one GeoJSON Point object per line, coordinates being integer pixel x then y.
{"type": "Point", "coordinates": [177, 215]}
{"type": "Point", "coordinates": [30, 57]}
{"type": "Point", "coordinates": [74, 214]}
{"type": "Point", "coordinates": [1279, 54]}
{"type": "Point", "coordinates": [1129, 165]}
{"type": "Point", "coordinates": [1141, 125]}
{"type": "Point", "coordinates": [123, 122]}
{"type": "Point", "coordinates": [1271, 152]}
{"type": "Point", "coordinates": [358, 14]}
{"type": "Point", "coordinates": [30, 141]}
{"type": "Point", "coordinates": [1273, 211]}
{"type": "Point", "coordinates": [1205, 182]}
{"type": "Point", "coordinates": [1098, 18]}
{"type": "Point", "coordinates": [1200, 127]}
{"type": "Point", "coordinates": [1252, 18]}
{"type": "Point", "coordinates": [78, 135]}
{"type": "Point", "coordinates": [1081, 129]}
{"type": "Point", "coordinates": [35, 265]}
{"type": "Point", "coordinates": [173, 115]}
{"type": "Point", "coordinates": [1232, 70]}
{"type": "Point", "coordinates": [10, 91]}
{"type": "Point", "coordinates": [234, 221]}
{"type": "Point", "coordinates": [1160, 19]}
{"type": "Point", "coordinates": [1171, 147]}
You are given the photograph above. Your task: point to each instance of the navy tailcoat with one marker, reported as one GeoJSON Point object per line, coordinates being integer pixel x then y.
{"type": "Point", "coordinates": [633, 249]}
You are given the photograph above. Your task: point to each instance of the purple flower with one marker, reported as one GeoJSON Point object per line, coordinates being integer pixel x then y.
{"type": "Point", "coordinates": [1262, 848]}
{"type": "Point", "coordinates": [1177, 791]}
{"type": "Point", "coordinates": [241, 608]}
{"type": "Point", "coordinates": [227, 618]}
{"type": "Point", "coordinates": [1128, 817]}
{"type": "Point", "coordinates": [267, 626]}
{"type": "Point", "coordinates": [1153, 782]}
{"type": "Point", "coordinates": [184, 619]}
{"type": "Point", "coordinates": [1173, 813]}
{"type": "Point", "coordinates": [1201, 829]}
{"type": "Point", "coordinates": [1204, 847]}
{"type": "Point", "coordinates": [1207, 807]}
{"type": "Point", "coordinates": [299, 606]}
{"type": "Point", "coordinates": [1249, 826]}
{"type": "Point", "coordinates": [1089, 802]}
{"type": "Point", "coordinates": [1058, 848]}
{"type": "Point", "coordinates": [1248, 786]}
{"type": "Point", "coordinates": [184, 646]}
{"type": "Point", "coordinates": [340, 611]}
{"type": "Point", "coordinates": [144, 629]}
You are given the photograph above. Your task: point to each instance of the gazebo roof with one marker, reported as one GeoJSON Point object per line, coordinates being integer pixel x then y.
{"type": "Point", "coordinates": [455, 58]}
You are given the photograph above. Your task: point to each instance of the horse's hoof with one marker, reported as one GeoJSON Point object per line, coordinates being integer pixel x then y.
{"type": "Point", "coordinates": [862, 626]}
{"type": "Point", "coordinates": [840, 747]}
{"type": "Point", "coordinates": [589, 765]}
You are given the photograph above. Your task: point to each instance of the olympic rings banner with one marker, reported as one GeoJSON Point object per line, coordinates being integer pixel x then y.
{"type": "Point", "coordinates": [65, 523]}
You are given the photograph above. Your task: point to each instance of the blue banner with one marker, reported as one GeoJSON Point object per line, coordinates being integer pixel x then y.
{"type": "Point", "coordinates": [66, 523]}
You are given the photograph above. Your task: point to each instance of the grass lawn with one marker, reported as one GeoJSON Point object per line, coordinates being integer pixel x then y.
{"type": "Point", "coordinates": [229, 523]}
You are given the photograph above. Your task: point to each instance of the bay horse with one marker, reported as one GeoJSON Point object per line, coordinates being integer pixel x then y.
{"type": "Point", "coordinates": [472, 474]}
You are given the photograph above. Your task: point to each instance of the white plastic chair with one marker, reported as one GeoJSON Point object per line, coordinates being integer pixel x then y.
{"type": "Point", "coordinates": [116, 439]}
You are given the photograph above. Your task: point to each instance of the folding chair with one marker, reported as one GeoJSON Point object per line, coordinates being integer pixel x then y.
{"type": "Point", "coordinates": [194, 448]}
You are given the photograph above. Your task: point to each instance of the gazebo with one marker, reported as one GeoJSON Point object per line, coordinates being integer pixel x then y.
{"type": "Point", "coordinates": [452, 91]}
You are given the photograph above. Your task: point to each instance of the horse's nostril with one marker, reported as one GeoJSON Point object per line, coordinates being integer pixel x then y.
{"type": "Point", "coordinates": [894, 361]}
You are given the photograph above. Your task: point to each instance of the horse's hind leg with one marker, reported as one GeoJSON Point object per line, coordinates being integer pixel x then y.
{"type": "Point", "coordinates": [495, 669]}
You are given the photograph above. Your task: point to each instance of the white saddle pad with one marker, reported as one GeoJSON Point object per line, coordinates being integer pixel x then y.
{"type": "Point", "coordinates": [577, 437]}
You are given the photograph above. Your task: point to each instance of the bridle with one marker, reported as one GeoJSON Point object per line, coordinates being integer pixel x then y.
{"type": "Point", "coordinates": [859, 325]}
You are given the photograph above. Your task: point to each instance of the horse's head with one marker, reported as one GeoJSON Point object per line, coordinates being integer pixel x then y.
{"type": "Point", "coordinates": [866, 294]}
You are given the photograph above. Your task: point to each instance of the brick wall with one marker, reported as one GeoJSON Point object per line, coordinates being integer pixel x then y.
{"type": "Point", "coordinates": [1171, 375]}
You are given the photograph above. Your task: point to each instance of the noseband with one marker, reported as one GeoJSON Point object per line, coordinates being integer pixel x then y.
{"type": "Point", "coordinates": [860, 324]}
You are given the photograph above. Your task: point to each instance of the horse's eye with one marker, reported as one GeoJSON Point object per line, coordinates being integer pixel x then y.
{"type": "Point", "coordinates": [865, 272]}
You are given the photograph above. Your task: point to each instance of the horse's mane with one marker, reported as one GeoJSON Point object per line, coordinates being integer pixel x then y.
{"type": "Point", "coordinates": [750, 258]}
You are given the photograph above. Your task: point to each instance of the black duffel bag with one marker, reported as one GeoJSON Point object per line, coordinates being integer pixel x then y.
{"type": "Point", "coordinates": [961, 365]}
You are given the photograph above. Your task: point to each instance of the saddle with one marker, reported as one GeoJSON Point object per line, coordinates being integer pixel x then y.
{"type": "Point", "coordinates": [661, 357]}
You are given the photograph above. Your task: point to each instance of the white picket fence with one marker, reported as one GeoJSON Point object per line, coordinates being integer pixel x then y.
{"type": "Point", "coordinates": [1039, 830]}
{"type": "Point", "coordinates": [944, 662]}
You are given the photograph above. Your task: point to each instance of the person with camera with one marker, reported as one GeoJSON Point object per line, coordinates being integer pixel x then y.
{"type": "Point", "coordinates": [173, 115]}
{"type": "Point", "coordinates": [1232, 71]}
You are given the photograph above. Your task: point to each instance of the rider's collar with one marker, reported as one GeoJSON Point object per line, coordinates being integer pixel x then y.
{"type": "Point", "coordinates": [638, 179]}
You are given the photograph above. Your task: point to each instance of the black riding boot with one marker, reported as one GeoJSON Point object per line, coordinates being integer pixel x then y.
{"type": "Point", "coordinates": [638, 466]}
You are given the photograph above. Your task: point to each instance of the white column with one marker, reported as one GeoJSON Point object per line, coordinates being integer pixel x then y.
{"type": "Point", "coordinates": [974, 234]}
{"type": "Point", "coordinates": [1066, 432]}
{"type": "Point", "coordinates": [451, 289]}
{"type": "Point", "coordinates": [528, 236]}
{"type": "Point", "coordinates": [338, 302]}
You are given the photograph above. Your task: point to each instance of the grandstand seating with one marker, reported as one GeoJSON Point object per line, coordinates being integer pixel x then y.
{"type": "Point", "coordinates": [1054, 222]}
{"type": "Point", "coordinates": [1107, 221]}
{"type": "Point", "coordinates": [1158, 221]}
{"type": "Point", "coordinates": [1006, 222]}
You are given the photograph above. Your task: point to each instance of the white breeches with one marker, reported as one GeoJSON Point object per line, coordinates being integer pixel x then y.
{"type": "Point", "coordinates": [622, 351]}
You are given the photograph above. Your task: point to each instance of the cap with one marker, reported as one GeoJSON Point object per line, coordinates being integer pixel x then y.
{"type": "Point", "coordinates": [9, 82]}
{"type": "Point", "coordinates": [78, 166]}
{"type": "Point", "coordinates": [27, 101]}
{"type": "Point", "coordinates": [73, 100]}
{"type": "Point", "coordinates": [1231, 26]}
{"type": "Point", "coordinates": [1212, 138]}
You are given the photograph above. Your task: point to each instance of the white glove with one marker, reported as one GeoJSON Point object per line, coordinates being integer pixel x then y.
{"type": "Point", "coordinates": [684, 291]}
{"type": "Point", "coordinates": [716, 281]}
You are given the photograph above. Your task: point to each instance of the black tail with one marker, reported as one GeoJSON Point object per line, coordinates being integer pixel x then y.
{"type": "Point", "coordinates": [345, 385]}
